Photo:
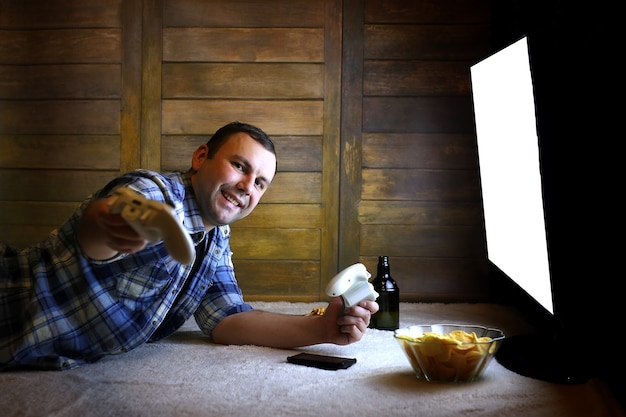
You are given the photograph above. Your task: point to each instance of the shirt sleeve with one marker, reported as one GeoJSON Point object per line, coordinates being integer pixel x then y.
{"type": "Point", "coordinates": [141, 183]}
{"type": "Point", "coordinates": [223, 297]}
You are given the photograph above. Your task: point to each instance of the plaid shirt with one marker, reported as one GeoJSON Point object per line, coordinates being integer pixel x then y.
{"type": "Point", "coordinates": [59, 309]}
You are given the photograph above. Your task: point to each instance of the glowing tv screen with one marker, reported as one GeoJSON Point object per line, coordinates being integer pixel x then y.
{"type": "Point", "coordinates": [508, 153]}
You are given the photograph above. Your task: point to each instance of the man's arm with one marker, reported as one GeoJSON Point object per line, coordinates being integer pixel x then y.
{"type": "Point", "coordinates": [102, 235]}
{"type": "Point", "coordinates": [263, 328]}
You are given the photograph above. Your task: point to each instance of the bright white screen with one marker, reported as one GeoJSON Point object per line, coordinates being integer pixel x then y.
{"type": "Point", "coordinates": [508, 151]}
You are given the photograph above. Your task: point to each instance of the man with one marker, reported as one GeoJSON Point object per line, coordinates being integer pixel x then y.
{"type": "Point", "coordinates": [95, 287]}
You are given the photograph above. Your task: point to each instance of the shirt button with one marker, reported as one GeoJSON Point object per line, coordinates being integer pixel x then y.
{"type": "Point", "coordinates": [217, 252]}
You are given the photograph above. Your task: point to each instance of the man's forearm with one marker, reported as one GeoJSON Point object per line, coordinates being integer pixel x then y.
{"type": "Point", "coordinates": [270, 329]}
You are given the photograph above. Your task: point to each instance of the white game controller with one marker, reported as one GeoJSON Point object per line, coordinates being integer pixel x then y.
{"type": "Point", "coordinates": [352, 284]}
{"type": "Point", "coordinates": [155, 221]}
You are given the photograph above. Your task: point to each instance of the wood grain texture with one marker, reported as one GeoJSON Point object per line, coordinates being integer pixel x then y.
{"type": "Point", "coordinates": [426, 42]}
{"type": "Point", "coordinates": [89, 81]}
{"type": "Point", "coordinates": [36, 14]}
{"type": "Point", "coordinates": [92, 45]}
{"type": "Point", "coordinates": [81, 152]}
{"type": "Point", "coordinates": [446, 12]}
{"type": "Point", "coordinates": [55, 117]}
{"type": "Point", "coordinates": [245, 80]}
{"type": "Point", "coordinates": [68, 74]}
{"type": "Point", "coordinates": [244, 13]}
{"type": "Point", "coordinates": [368, 103]}
{"type": "Point", "coordinates": [411, 149]}
{"type": "Point", "coordinates": [419, 150]}
{"type": "Point", "coordinates": [276, 117]}
{"type": "Point", "coordinates": [243, 44]}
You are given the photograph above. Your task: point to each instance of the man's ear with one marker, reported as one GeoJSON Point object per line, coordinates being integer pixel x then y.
{"type": "Point", "coordinates": [199, 156]}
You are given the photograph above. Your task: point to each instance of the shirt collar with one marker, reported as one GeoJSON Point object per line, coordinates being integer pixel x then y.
{"type": "Point", "coordinates": [193, 219]}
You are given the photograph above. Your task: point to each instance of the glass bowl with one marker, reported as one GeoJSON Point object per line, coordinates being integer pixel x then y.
{"type": "Point", "coordinates": [449, 352]}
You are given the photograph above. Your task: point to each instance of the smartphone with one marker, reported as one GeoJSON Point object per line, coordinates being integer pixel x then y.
{"type": "Point", "coordinates": [331, 363]}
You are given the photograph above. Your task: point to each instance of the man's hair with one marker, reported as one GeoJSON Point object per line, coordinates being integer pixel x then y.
{"type": "Point", "coordinates": [223, 133]}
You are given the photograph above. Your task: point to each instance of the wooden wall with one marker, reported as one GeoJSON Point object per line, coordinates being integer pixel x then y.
{"type": "Point", "coordinates": [61, 94]}
{"type": "Point", "coordinates": [410, 186]}
{"type": "Point", "coordinates": [368, 102]}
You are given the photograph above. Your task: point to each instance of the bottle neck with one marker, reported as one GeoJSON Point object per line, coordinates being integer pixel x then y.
{"type": "Point", "coordinates": [383, 267]}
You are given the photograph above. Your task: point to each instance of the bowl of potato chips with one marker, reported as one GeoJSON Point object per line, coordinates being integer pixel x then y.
{"type": "Point", "coordinates": [449, 352]}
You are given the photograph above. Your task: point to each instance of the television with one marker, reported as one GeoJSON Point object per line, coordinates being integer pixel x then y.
{"type": "Point", "coordinates": [516, 167]}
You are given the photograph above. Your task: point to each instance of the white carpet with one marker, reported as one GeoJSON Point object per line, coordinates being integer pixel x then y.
{"type": "Point", "coordinates": [186, 375]}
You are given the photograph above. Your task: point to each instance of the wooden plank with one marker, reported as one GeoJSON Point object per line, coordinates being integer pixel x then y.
{"type": "Point", "coordinates": [428, 11]}
{"type": "Point", "coordinates": [420, 184]}
{"type": "Point", "coordinates": [418, 240]}
{"type": "Point", "coordinates": [59, 13]}
{"type": "Point", "coordinates": [131, 89]}
{"type": "Point", "coordinates": [60, 117]}
{"type": "Point", "coordinates": [80, 81]}
{"type": "Point", "coordinates": [351, 130]}
{"type": "Point", "coordinates": [60, 152]}
{"type": "Point", "coordinates": [418, 114]}
{"type": "Point", "coordinates": [427, 42]}
{"type": "Point", "coordinates": [35, 213]}
{"type": "Point", "coordinates": [294, 153]}
{"type": "Point", "coordinates": [283, 117]}
{"type": "Point", "coordinates": [243, 80]}
{"type": "Point", "coordinates": [285, 216]}
{"type": "Point", "coordinates": [299, 153]}
{"type": "Point", "coordinates": [151, 100]}
{"type": "Point", "coordinates": [51, 185]}
{"type": "Point", "coordinates": [262, 243]}
{"type": "Point", "coordinates": [244, 13]}
{"type": "Point", "coordinates": [243, 45]}
{"type": "Point", "coordinates": [97, 45]}
{"type": "Point", "coordinates": [416, 78]}
{"type": "Point", "coordinates": [278, 280]}
{"type": "Point", "coordinates": [421, 212]}
{"type": "Point", "coordinates": [445, 279]}
{"type": "Point", "coordinates": [331, 182]}
{"type": "Point", "coordinates": [20, 236]}
{"type": "Point", "coordinates": [415, 150]}
{"type": "Point", "coordinates": [176, 151]}
{"type": "Point", "coordinates": [295, 187]}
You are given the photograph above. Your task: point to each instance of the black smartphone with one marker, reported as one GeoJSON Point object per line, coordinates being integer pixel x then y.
{"type": "Point", "coordinates": [331, 363]}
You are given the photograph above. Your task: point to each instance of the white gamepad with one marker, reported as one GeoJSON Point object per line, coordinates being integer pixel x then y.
{"type": "Point", "coordinates": [155, 221]}
{"type": "Point", "coordinates": [352, 284]}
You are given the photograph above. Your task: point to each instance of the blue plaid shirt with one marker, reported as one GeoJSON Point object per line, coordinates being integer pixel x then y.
{"type": "Point", "coordinates": [59, 309]}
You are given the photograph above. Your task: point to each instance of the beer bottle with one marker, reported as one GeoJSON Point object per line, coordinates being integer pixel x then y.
{"type": "Point", "coordinates": [388, 315]}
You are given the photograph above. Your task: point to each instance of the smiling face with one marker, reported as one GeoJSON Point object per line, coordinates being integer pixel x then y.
{"type": "Point", "coordinates": [229, 185]}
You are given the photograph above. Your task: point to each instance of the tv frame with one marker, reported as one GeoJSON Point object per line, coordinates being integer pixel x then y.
{"type": "Point", "coordinates": [546, 353]}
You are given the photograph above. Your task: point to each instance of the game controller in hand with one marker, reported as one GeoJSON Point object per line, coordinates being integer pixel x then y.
{"type": "Point", "coordinates": [154, 221]}
{"type": "Point", "coordinates": [352, 284]}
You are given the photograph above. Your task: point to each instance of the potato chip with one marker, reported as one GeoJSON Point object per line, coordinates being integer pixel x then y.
{"type": "Point", "coordinates": [457, 355]}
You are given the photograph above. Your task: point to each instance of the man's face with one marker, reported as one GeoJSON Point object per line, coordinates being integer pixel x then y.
{"type": "Point", "coordinates": [229, 185]}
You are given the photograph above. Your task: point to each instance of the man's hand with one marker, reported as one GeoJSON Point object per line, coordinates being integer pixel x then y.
{"type": "Point", "coordinates": [119, 235]}
{"type": "Point", "coordinates": [348, 325]}
{"type": "Point", "coordinates": [103, 235]}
